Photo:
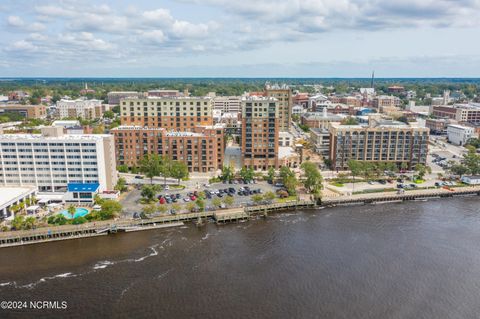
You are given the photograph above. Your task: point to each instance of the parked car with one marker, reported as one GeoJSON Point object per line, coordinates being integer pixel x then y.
{"type": "Point", "coordinates": [166, 187]}
{"type": "Point", "coordinates": [193, 197]}
{"type": "Point", "coordinates": [138, 176]}
{"type": "Point", "coordinates": [186, 199]}
{"type": "Point", "coordinates": [162, 200]}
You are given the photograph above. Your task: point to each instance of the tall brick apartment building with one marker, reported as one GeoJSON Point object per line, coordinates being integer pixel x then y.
{"type": "Point", "coordinates": [178, 127]}
{"type": "Point", "coordinates": [260, 130]}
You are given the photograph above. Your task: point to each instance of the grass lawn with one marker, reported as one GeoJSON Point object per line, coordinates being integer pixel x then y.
{"type": "Point", "coordinates": [287, 199]}
{"type": "Point", "coordinates": [337, 184]}
{"type": "Point", "coordinates": [177, 186]}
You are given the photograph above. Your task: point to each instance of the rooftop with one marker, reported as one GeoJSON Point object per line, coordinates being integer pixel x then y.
{"type": "Point", "coordinates": [66, 137]}
{"type": "Point", "coordinates": [8, 194]}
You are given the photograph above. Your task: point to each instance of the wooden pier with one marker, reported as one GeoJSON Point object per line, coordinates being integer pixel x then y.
{"type": "Point", "coordinates": [49, 234]}
{"type": "Point", "coordinates": [423, 194]}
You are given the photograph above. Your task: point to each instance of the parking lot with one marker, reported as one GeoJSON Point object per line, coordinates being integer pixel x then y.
{"type": "Point", "coordinates": [131, 201]}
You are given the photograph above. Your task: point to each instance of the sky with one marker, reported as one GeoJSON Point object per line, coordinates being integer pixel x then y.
{"type": "Point", "coordinates": [239, 38]}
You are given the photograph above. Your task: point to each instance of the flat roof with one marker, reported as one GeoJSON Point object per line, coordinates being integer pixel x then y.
{"type": "Point", "coordinates": [8, 194]}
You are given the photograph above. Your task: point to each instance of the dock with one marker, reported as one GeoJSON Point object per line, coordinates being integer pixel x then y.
{"type": "Point", "coordinates": [103, 228]}
{"type": "Point", "coordinates": [392, 197]}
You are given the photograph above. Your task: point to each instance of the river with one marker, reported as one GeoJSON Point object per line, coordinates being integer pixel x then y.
{"type": "Point", "coordinates": [401, 260]}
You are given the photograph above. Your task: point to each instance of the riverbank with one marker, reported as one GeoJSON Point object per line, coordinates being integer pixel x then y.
{"type": "Point", "coordinates": [42, 235]}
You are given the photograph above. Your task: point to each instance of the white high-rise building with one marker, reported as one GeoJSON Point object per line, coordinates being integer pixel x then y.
{"type": "Point", "coordinates": [53, 160]}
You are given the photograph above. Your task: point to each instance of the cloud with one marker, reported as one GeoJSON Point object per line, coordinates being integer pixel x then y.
{"type": "Point", "coordinates": [19, 24]}
{"type": "Point", "coordinates": [23, 46]}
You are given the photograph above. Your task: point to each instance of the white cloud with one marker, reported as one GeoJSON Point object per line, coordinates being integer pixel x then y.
{"type": "Point", "coordinates": [19, 24]}
{"type": "Point", "coordinates": [23, 46]}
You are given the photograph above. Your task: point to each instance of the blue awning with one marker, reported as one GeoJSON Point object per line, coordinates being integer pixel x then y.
{"type": "Point", "coordinates": [79, 187]}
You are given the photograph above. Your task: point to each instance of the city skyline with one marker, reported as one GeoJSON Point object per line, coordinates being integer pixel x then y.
{"type": "Point", "coordinates": [215, 38]}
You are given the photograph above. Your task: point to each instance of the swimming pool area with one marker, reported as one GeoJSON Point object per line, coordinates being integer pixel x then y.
{"type": "Point", "coordinates": [79, 212]}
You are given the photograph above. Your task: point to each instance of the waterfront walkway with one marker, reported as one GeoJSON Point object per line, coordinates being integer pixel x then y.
{"type": "Point", "coordinates": [47, 234]}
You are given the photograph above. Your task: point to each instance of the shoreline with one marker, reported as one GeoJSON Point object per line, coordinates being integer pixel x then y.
{"type": "Point", "coordinates": [51, 234]}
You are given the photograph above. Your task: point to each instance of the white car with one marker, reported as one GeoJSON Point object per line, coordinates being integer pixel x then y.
{"type": "Point", "coordinates": [186, 199]}
{"type": "Point", "coordinates": [166, 187]}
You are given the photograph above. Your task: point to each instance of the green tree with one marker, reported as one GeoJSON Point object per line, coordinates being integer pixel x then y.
{"type": "Point", "coordinates": [179, 170]}
{"type": "Point", "coordinates": [151, 166]}
{"type": "Point", "coordinates": [148, 193]}
{"type": "Point", "coordinates": [313, 178]}
{"type": "Point", "coordinates": [110, 209]}
{"type": "Point", "coordinates": [269, 196]}
{"type": "Point", "coordinates": [472, 161]}
{"type": "Point", "coordinates": [271, 174]}
{"type": "Point", "coordinates": [422, 170]}
{"type": "Point", "coordinates": [200, 204]}
{"type": "Point", "coordinates": [216, 202]}
{"type": "Point", "coordinates": [289, 179]}
{"type": "Point", "coordinates": [176, 207]}
{"type": "Point", "coordinates": [121, 185]}
{"type": "Point", "coordinates": [228, 200]}
{"type": "Point", "coordinates": [17, 222]}
{"type": "Point", "coordinates": [257, 198]}
{"type": "Point", "coordinates": [190, 206]}
{"type": "Point", "coordinates": [458, 169]}
{"type": "Point", "coordinates": [122, 168]}
{"type": "Point", "coordinates": [227, 173]}
{"type": "Point", "coordinates": [349, 121]}
{"type": "Point", "coordinates": [149, 208]}
{"type": "Point", "coordinates": [71, 210]}
{"type": "Point", "coordinates": [109, 114]}
{"type": "Point", "coordinates": [162, 209]}
{"type": "Point", "coordinates": [247, 173]}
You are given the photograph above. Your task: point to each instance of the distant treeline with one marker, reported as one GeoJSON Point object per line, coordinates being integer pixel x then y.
{"type": "Point", "coordinates": [58, 87]}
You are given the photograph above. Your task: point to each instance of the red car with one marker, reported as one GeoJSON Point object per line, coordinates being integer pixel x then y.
{"type": "Point", "coordinates": [192, 198]}
{"type": "Point", "coordinates": [162, 200]}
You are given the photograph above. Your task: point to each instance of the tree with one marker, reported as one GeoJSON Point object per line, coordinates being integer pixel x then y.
{"type": "Point", "coordinates": [201, 195]}
{"type": "Point", "coordinates": [151, 166]}
{"type": "Point", "coordinates": [314, 180]}
{"type": "Point", "coordinates": [458, 169]}
{"type": "Point", "coordinates": [355, 168]}
{"type": "Point", "coordinates": [289, 180]}
{"type": "Point", "coordinates": [271, 174]}
{"type": "Point", "coordinates": [109, 114]}
{"type": "Point", "coordinates": [176, 207]}
{"type": "Point", "coordinates": [257, 198]}
{"type": "Point", "coordinates": [97, 200]}
{"type": "Point", "coordinates": [17, 222]}
{"type": "Point", "coordinates": [422, 170]}
{"type": "Point", "coordinates": [247, 174]}
{"type": "Point", "coordinates": [190, 206]}
{"type": "Point", "coordinates": [71, 210]}
{"type": "Point", "coordinates": [121, 185]}
{"type": "Point", "coordinates": [162, 209]}
{"type": "Point", "coordinates": [110, 209]}
{"type": "Point", "coordinates": [404, 166]}
{"type": "Point", "coordinates": [216, 202]}
{"type": "Point", "coordinates": [179, 170]}
{"type": "Point", "coordinates": [228, 200]}
{"type": "Point", "coordinates": [200, 204]}
{"type": "Point", "coordinates": [149, 208]}
{"type": "Point", "coordinates": [472, 161]}
{"type": "Point", "coordinates": [227, 173]}
{"type": "Point", "coordinates": [269, 196]}
{"type": "Point", "coordinates": [148, 193]}
{"type": "Point", "coordinates": [30, 223]}
{"type": "Point", "coordinates": [349, 121]}
{"type": "Point", "coordinates": [122, 168]}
